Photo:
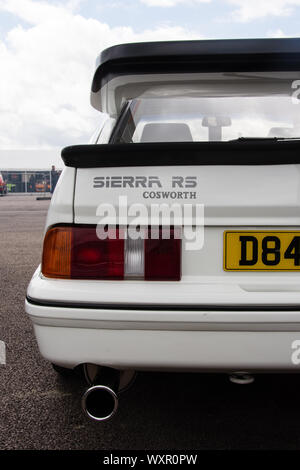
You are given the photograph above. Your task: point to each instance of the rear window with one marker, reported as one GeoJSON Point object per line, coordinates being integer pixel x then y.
{"type": "Point", "coordinates": [219, 107]}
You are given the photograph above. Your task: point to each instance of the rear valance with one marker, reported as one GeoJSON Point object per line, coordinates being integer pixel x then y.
{"type": "Point", "coordinates": [240, 152]}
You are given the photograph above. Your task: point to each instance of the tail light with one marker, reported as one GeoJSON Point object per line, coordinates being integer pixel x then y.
{"type": "Point", "coordinates": [56, 260]}
{"type": "Point", "coordinates": [163, 257]}
{"type": "Point", "coordinates": [75, 252]}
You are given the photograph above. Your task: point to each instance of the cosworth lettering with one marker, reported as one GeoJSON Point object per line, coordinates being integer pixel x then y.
{"type": "Point", "coordinates": [169, 195]}
{"type": "Point", "coordinates": [142, 182]}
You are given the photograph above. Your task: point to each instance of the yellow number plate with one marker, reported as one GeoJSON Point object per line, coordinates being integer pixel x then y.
{"type": "Point", "coordinates": [262, 251]}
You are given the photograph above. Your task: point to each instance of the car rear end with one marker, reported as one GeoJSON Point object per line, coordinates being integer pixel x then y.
{"type": "Point", "coordinates": [202, 161]}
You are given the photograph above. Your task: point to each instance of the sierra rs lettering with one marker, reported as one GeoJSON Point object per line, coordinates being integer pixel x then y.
{"type": "Point", "coordinates": [142, 182]}
{"type": "Point", "coordinates": [127, 182]}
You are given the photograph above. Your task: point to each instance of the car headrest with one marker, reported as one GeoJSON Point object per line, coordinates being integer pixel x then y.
{"type": "Point", "coordinates": [166, 132]}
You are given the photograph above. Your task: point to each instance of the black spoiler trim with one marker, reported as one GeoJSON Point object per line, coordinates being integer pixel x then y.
{"type": "Point", "coordinates": [247, 152]}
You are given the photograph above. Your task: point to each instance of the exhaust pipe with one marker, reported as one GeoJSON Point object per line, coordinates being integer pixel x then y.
{"type": "Point", "coordinates": [100, 401]}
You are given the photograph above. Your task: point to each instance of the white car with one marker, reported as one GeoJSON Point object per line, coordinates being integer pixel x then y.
{"type": "Point", "coordinates": [201, 137]}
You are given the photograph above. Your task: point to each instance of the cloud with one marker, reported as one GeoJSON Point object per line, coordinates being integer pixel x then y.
{"type": "Point", "coordinates": [278, 33]}
{"type": "Point", "coordinates": [248, 10]}
{"type": "Point", "coordinates": [47, 63]}
{"type": "Point", "coordinates": [172, 3]}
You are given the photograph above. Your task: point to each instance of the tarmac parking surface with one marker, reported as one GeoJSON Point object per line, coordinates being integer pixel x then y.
{"type": "Point", "coordinates": [40, 410]}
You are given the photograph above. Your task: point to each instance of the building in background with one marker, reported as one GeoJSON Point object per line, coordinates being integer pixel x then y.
{"type": "Point", "coordinates": [30, 171]}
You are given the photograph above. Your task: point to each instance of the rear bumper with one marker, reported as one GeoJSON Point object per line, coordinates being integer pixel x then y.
{"type": "Point", "coordinates": [157, 339]}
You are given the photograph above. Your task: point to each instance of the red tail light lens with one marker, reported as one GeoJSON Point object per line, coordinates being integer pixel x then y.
{"type": "Point", "coordinates": [93, 258]}
{"type": "Point", "coordinates": [163, 258]}
{"type": "Point", "coordinates": [76, 252]}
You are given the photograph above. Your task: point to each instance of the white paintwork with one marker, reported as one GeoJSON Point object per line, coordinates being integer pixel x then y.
{"type": "Point", "coordinates": [232, 195]}
{"type": "Point", "coordinates": [225, 289]}
{"type": "Point", "coordinates": [168, 349]}
{"type": "Point", "coordinates": [117, 91]}
{"type": "Point", "coordinates": [61, 207]}
{"type": "Point", "coordinates": [180, 320]}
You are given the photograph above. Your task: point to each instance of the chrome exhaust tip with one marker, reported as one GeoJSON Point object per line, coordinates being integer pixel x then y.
{"type": "Point", "coordinates": [100, 403]}
{"type": "Point", "coordinates": [100, 400]}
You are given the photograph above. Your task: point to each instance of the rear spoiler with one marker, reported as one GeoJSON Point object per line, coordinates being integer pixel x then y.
{"type": "Point", "coordinates": [196, 56]}
{"type": "Point", "coordinates": [126, 64]}
{"type": "Point", "coordinates": [238, 152]}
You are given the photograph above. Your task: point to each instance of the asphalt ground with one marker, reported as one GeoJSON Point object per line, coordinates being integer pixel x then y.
{"type": "Point", "coordinates": [40, 410]}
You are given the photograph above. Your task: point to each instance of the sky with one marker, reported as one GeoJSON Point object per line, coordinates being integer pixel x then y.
{"type": "Point", "coordinates": [48, 50]}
